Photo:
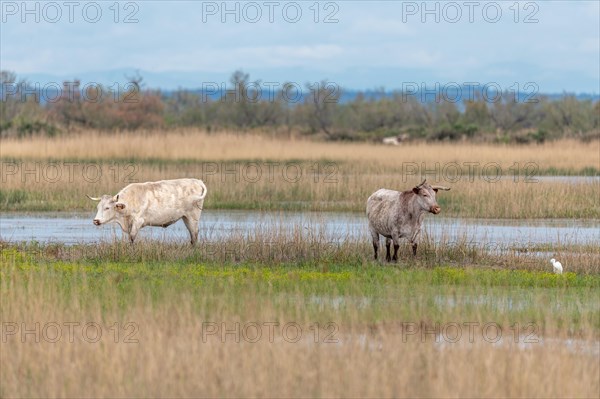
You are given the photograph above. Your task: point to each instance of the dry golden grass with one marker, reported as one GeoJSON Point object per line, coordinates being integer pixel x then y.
{"type": "Point", "coordinates": [199, 145]}
{"type": "Point", "coordinates": [346, 188]}
{"type": "Point", "coordinates": [333, 176]}
{"type": "Point", "coordinates": [171, 358]}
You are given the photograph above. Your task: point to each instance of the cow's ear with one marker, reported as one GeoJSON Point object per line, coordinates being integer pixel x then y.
{"type": "Point", "coordinates": [416, 190]}
{"type": "Point", "coordinates": [120, 206]}
{"type": "Point", "coordinates": [435, 189]}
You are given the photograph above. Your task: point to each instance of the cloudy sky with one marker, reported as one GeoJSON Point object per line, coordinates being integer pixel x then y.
{"type": "Point", "coordinates": [357, 44]}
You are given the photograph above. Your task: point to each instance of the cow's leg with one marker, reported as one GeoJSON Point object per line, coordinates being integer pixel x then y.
{"type": "Point", "coordinates": [413, 241]}
{"type": "Point", "coordinates": [375, 240]}
{"type": "Point", "coordinates": [395, 257]}
{"type": "Point", "coordinates": [388, 255]}
{"type": "Point", "coordinates": [134, 229]}
{"type": "Point", "coordinates": [396, 239]}
{"type": "Point", "coordinates": [124, 231]}
{"type": "Point", "coordinates": [192, 226]}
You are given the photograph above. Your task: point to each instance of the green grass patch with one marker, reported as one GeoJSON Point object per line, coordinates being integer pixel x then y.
{"type": "Point", "coordinates": [345, 292]}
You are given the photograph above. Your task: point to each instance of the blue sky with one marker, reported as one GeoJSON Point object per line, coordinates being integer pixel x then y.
{"type": "Point", "coordinates": [365, 45]}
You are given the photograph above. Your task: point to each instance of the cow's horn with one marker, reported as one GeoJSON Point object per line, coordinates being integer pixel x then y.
{"type": "Point", "coordinates": [92, 198]}
{"type": "Point", "coordinates": [423, 182]}
{"type": "Point", "coordinates": [440, 188]}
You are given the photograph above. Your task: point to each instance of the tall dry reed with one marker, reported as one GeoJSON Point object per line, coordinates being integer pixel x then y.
{"type": "Point", "coordinates": [199, 145]}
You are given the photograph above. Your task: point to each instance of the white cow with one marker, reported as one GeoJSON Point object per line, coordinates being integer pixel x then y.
{"type": "Point", "coordinates": [396, 140]}
{"type": "Point", "coordinates": [391, 140]}
{"type": "Point", "coordinates": [160, 203]}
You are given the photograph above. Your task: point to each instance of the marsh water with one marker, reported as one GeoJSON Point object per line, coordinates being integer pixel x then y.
{"type": "Point", "coordinates": [215, 225]}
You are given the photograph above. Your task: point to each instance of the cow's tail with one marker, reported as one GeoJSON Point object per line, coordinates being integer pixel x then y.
{"type": "Point", "coordinates": [204, 190]}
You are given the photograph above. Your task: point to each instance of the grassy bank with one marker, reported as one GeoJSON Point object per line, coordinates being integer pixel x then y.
{"type": "Point", "coordinates": [297, 246]}
{"type": "Point", "coordinates": [334, 316]}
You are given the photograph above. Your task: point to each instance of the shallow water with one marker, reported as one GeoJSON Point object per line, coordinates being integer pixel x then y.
{"type": "Point", "coordinates": [215, 225]}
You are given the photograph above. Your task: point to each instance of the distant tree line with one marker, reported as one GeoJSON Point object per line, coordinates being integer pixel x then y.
{"type": "Point", "coordinates": [288, 109]}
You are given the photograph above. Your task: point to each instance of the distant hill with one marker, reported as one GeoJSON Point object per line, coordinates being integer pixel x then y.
{"type": "Point", "coordinates": [206, 83]}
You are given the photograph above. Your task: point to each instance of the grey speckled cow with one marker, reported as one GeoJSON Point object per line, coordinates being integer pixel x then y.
{"type": "Point", "coordinates": [395, 215]}
{"type": "Point", "coordinates": [159, 203]}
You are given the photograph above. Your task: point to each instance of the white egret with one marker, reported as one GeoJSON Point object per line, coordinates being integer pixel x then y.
{"type": "Point", "coordinates": [557, 266]}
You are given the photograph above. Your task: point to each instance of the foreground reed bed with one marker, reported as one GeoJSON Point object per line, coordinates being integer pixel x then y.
{"type": "Point", "coordinates": [161, 320]}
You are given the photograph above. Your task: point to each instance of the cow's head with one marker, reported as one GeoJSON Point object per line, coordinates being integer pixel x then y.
{"type": "Point", "coordinates": [109, 208]}
{"type": "Point", "coordinates": [426, 196]}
